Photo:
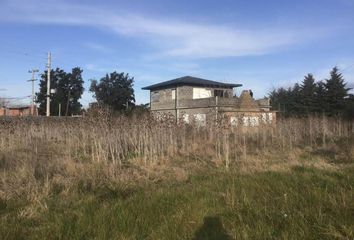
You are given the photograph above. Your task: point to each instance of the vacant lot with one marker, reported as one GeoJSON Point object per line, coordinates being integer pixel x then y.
{"type": "Point", "coordinates": [138, 179]}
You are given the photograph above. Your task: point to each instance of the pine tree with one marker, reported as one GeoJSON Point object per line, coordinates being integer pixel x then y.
{"type": "Point", "coordinates": [294, 105]}
{"type": "Point", "coordinates": [307, 92]}
{"type": "Point", "coordinates": [336, 91]}
{"type": "Point", "coordinates": [320, 97]}
{"type": "Point", "coordinates": [349, 107]}
{"type": "Point", "coordinates": [330, 97]}
{"type": "Point", "coordinates": [279, 99]}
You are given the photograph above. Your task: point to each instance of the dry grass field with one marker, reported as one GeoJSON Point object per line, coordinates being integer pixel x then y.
{"type": "Point", "coordinates": [135, 178]}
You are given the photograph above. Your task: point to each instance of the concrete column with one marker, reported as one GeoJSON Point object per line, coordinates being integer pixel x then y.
{"type": "Point", "coordinates": [216, 107]}
{"type": "Point", "coordinates": [176, 104]}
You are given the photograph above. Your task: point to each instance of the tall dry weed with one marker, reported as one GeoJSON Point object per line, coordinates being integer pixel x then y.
{"type": "Point", "coordinates": [43, 156]}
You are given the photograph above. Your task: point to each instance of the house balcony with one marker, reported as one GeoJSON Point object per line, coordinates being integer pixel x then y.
{"type": "Point", "coordinates": [196, 103]}
{"type": "Point", "coordinates": [222, 103]}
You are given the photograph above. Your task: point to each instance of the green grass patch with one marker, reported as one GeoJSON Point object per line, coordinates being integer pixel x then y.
{"type": "Point", "coordinates": [301, 204]}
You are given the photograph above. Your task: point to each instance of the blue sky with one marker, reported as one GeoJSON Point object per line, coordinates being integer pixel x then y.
{"type": "Point", "coordinates": [261, 44]}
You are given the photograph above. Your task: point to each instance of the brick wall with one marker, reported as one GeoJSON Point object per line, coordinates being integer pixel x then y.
{"type": "Point", "coordinates": [13, 112]}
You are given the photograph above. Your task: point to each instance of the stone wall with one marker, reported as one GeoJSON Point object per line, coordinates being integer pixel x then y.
{"type": "Point", "coordinates": [197, 115]}
{"type": "Point", "coordinates": [250, 119]}
{"type": "Point", "coordinates": [247, 102]}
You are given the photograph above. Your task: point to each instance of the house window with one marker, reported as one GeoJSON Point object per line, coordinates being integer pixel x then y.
{"type": "Point", "coordinates": [155, 96]}
{"type": "Point", "coordinates": [218, 93]}
{"type": "Point", "coordinates": [201, 93]}
{"type": "Point", "coordinates": [173, 94]}
{"type": "Point", "coordinates": [222, 93]}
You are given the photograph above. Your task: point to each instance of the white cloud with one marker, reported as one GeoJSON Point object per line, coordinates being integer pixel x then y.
{"type": "Point", "coordinates": [97, 47]}
{"type": "Point", "coordinates": [94, 68]}
{"type": "Point", "coordinates": [169, 37]}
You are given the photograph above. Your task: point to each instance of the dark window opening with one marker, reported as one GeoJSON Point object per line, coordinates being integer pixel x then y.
{"type": "Point", "coordinates": [221, 93]}
{"type": "Point", "coordinates": [218, 93]}
{"type": "Point", "coordinates": [155, 96]}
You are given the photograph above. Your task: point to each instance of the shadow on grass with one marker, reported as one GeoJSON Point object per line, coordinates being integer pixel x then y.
{"type": "Point", "coordinates": [212, 229]}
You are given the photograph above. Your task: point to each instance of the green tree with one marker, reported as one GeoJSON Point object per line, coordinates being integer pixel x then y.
{"type": "Point", "coordinates": [278, 98]}
{"type": "Point", "coordinates": [294, 102]}
{"type": "Point", "coordinates": [56, 75]}
{"type": "Point", "coordinates": [349, 107]}
{"type": "Point", "coordinates": [71, 89]}
{"type": "Point", "coordinates": [308, 94]}
{"type": "Point", "coordinates": [320, 97]}
{"type": "Point", "coordinates": [336, 92]}
{"type": "Point", "coordinates": [329, 96]}
{"type": "Point", "coordinates": [68, 88]}
{"type": "Point", "coordinates": [114, 90]}
{"type": "Point", "coordinates": [286, 101]}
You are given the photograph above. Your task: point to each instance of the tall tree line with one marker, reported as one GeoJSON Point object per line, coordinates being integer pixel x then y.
{"type": "Point", "coordinates": [329, 96]}
{"type": "Point", "coordinates": [67, 89]}
{"type": "Point", "coordinates": [115, 91]}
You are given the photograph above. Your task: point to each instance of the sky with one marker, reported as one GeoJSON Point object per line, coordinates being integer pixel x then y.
{"type": "Point", "coordinates": [260, 44]}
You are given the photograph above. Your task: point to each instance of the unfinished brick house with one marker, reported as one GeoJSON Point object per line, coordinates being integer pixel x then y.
{"type": "Point", "coordinates": [18, 110]}
{"type": "Point", "coordinates": [200, 100]}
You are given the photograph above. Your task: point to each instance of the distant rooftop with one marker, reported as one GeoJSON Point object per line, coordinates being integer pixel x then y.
{"type": "Point", "coordinates": [191, 81]}
{"type": "Point", "coordinates": [18, 106]}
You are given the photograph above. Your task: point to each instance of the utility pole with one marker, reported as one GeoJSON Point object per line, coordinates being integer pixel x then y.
{"type": "Point", "coordinates": [33, 71]}
{"type": "Point", "coordinates": [48, 82]}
